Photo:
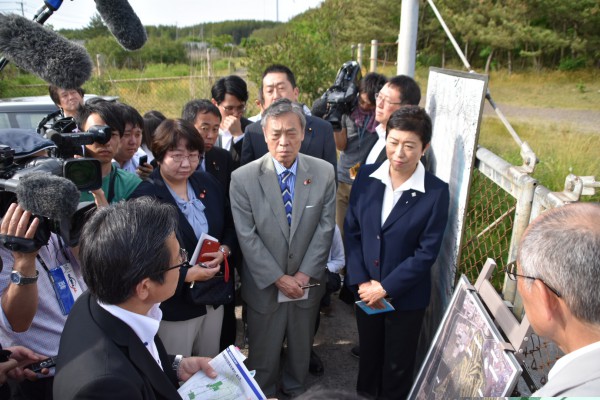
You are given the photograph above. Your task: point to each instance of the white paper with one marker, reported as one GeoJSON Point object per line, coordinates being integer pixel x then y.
{"type": "Point", "coordinates": [233, 380]}
{"type": "Point", "coordinates": [203, 237]}
{"type": "Point", "coordinates": [282, 298]}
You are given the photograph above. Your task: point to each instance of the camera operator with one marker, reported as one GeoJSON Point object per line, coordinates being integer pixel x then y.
{"type": "Point", "coordinates": [117, 184]}
{"type": "Point", "coordinates": [355, 138]}
{"type": "Point", "coordinates": [68, 102]}
{"type": "Point", "coordinates": [31, 314]}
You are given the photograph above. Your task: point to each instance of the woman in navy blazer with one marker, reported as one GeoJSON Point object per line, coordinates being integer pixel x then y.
{"type": "Point", "coordinates": [202, 206]}
{"type": "Point", "coordinates": [394, 227]}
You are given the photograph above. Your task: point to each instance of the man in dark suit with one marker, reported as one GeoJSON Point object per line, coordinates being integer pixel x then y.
{"type": "Point", "coordinates": [130, 259]}
{"type": "Point", "coordinates": [230, 95]}
{"type": "Point", "coordinates": [278, 82]}
{"type": "Point", "coordinates": [206, 117]}
{"type": "Point", "coordinates": [393, 231]}
{"type": "Point", "coordinates": [401, 90]}
{"type": "Point", "coordinates": [284, 208]}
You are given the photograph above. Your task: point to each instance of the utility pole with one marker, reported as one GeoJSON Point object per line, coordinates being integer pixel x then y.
{"type": "Point", "coordinates": [407, 38]}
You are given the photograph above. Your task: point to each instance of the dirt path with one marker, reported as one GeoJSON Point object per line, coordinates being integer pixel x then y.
{"type": "Point", "coordinates": [578, 120]}
{"type": "Point", "coordinates": [336, 336]}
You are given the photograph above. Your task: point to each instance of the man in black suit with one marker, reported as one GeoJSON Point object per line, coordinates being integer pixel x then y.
{"type": "Point", "coordinates": [401, 90]}
{"type": "Point", "coordinates": [206, 118]}
{"type": "Point", "coordinates": [278, 81]}
{"type": "Point", "coordinates": [230, 95]}
{"type": "Point", "coordinates": [130, 258]}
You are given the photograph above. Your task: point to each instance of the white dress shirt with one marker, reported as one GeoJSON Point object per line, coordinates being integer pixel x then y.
{"type": "Point", "coordinates": [378, 146]}
{"type": "Point", "coordinates": [391, 196]}
{"type": "Point", "coordinates": [144, 326]}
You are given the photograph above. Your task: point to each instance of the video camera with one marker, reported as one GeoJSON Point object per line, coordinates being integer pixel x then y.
{"type": "Point", "coordinates": [49, 187]}
{"type": "Point", "coordinates": [341, 97]}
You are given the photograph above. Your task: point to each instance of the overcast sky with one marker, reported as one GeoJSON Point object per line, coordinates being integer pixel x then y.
{"type": "Point", "coordinates": [75, 14]}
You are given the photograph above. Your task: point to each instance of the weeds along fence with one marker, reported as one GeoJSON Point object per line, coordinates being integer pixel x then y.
{"type": "Point", "coordinates": [503, 200]}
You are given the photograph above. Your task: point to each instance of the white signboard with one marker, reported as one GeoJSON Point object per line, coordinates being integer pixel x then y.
{"type": "Point", "coordinates": [455, 103]}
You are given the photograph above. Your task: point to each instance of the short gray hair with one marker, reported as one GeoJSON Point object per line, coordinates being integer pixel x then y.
{"type": "Point", "coordinates": [562, 247]}
{"type": "Point", "coordinates": [283, 106]}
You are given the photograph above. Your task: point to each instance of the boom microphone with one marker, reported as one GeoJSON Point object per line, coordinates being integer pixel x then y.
{"type": "Point", "coordinates": [123, 23]}
{"type": "Point", "coordinates": [44, 53]}
{"type": "Point", "coordinates": [48, 195]}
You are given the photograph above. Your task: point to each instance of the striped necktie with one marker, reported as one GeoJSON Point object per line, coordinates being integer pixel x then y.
{"type": "Point", "coordinates": [286, 193]}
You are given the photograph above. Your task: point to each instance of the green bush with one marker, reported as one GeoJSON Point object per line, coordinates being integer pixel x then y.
{"type": "Point", "coordinates": [571, 64]}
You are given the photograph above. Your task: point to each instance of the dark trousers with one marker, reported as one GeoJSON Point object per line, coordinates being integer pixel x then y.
{"type": "Point", "coordinates": [388, 345]}
{"type": "Point", "coordinates": [32, 390]}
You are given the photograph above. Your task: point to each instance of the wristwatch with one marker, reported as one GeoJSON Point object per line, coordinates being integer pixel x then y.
{"type": "Point", "coordinates": [175, 365]}
{"type": "Point", "coordinates": [18, 279]}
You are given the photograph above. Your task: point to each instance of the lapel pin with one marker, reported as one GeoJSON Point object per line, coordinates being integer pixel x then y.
{"type": "Point", "coordinates": [413, 194]}
{"type": "Point", "coordinates": [215, 165]}
{"type": "Point", "coordinates": [307, 182]}
{"type": "Point", "coordinates": [202, 194]}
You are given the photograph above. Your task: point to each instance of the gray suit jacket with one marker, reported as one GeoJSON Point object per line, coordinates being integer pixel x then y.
{"type": "Point", "coordinates": [271, 248]}
{"type": "Point", "coordinates": [580, 377]}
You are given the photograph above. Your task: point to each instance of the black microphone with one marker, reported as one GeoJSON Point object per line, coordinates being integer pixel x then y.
{"type": "Point", "coordinates": [123, 23]}
{"type": "Point", "coordinates": [319, 107]}
{"type": "Point", "coordinates": [44, 53]}
{"type": "Point", "coordinates": [47, 195]}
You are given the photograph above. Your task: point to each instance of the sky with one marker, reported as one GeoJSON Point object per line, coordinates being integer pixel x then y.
{"type": "Point", "coordinates": [76, 14]}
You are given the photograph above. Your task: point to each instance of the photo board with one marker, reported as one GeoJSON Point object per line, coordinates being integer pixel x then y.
{"type": "Point", "coordinates": [455, 103]}
{"type": "Point", "coordinates": [468, 356]}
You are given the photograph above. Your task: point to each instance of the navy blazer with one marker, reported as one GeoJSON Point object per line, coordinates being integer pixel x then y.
{"type": "Point", "coordinates": [318, 142]}
{"type": "Point", "coordinates": [220, 226]}
{"type": "Point", "coordinates": [400, 253]}
{"type": "Point", "coordinates": [218, 162]}
{"type": "Point", "coordinates": [100, 356]}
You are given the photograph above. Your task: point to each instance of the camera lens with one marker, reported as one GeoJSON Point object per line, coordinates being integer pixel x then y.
{"type": "Point", "coordinates": [85, 174]}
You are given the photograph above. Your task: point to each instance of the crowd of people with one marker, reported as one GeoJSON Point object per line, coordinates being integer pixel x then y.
{"type": "Point", "coordinates": [289, 216]}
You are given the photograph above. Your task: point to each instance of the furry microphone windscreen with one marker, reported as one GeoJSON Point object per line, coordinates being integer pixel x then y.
{"type": "Point", "coordinates": [44, 53]}
{"type": "Point", "coordinates": [48, 195]}
{"type": "Point", "coordinates": [123, 23]}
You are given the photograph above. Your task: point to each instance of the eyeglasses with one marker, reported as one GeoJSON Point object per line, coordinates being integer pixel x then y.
{"type": "Point", "coordinates": [511, 271]}
{"type": "Point", "coordinates": [192, 158]}
{"type": "Point", "coordinates": [385, 99]}
{"type": "Point", "coordinates": [239, 109]}
{"type": "Point", "coordinates": [183, 256]}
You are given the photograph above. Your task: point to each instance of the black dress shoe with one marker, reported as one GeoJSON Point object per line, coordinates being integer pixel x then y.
{"type": "Point", "coordinates": [315, 367]}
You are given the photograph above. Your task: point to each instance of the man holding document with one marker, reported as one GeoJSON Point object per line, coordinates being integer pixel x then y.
{"type": "Point", "coordinates": [284, 208]}
{"type": "Point", "coordinates": [130, 258]}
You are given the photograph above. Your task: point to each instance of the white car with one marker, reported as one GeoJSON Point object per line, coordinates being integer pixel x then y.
{"type": "Point", "coordinates": [27, 112]}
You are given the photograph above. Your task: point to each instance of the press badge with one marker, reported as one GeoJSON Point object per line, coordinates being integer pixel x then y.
{"type": "Point", "coordinates": [66, 287]}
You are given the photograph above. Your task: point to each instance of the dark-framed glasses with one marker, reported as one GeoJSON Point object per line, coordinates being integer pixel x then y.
{"type": "Point", "coordinates": [183, 254]}
{"type": "Point", "coordinates": [511, 271]}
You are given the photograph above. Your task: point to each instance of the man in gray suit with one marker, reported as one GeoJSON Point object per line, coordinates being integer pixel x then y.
{"type": "Point", "coordinates": [558, 271]}
{"type": "Point", "coordinates": [285, 246]}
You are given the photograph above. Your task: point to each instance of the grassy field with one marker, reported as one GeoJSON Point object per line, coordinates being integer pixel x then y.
{"type": "Point", "coordinates": [561, 148]}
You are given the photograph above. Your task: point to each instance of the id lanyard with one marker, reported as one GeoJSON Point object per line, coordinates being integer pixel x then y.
{"type": "Point", "coordinates": [65, 284]}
